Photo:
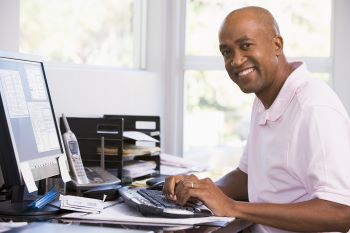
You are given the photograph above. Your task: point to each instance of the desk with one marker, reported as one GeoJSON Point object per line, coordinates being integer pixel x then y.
{"type": "Point", "coordinates": [234, 227]}
{"type": "Point", "coordinates": [57, 228]}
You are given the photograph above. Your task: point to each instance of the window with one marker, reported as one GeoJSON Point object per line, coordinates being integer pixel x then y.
{"type": "Point", "coordinates": [94, 32]}
{"type": "Point", "coordinates": [304, 25]}
{"type": "Point", "coordinates": [216, 112]}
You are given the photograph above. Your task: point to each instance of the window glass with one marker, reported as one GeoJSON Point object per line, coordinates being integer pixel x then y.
{"type": "Point", "coordinates": [216, 111]}
{"type": "Point", "coordinates": [323, 76]}
{"type": "Point", "coordinates": [304, 25]}
{"type": "Point", "coordinates": [95, 32]}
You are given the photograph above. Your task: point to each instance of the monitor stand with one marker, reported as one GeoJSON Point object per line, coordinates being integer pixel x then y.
{"type": "Point", "coordinates": [18, 205]}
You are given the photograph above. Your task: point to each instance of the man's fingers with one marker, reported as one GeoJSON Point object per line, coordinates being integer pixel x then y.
{"type": "Point", "coordinates": [187, 190]}
{"type": "Point", "coordinates": [188, 195]}
{"type": "Point", "coordinates": [170, 183]}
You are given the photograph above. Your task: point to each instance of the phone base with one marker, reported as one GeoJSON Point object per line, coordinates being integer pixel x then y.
{"type": "Point", "coordinates": [97, 176]}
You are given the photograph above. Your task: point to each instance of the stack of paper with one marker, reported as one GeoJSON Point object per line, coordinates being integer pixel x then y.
{"type": "Point", "coordinates": [130, 150]}
{"type": "Point", "coordinates": [122, 213]}
{"type": "Point", "coordinates": [143, 145]}
{"type": "Point", "coordinates": [138, 168]}
{"type": "Point", "coordinates": [176, 161]}
{"type": "Point", "coordinates": [81, 204]}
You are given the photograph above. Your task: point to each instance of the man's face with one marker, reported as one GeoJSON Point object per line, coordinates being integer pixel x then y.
{"type": "Point", "coordinates": [249, 52]}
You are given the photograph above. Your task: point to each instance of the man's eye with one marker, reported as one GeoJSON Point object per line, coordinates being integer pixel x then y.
{"type": "Point", "coordinates": [246, 45]}
{"type": "Point", "coordinates": [225, 53]}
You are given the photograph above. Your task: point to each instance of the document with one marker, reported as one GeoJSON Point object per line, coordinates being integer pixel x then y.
{"type": "Point", "coordinates": [62, 163]}
{"type": "Point", "coordinates": [82, 204]}
{"type": "Point", "coordinates": [138, 136]}
{"type": "Point", "coordinates": [175, 161]}
{"type": "Point", "coordinates": [28, 177]}
{"type": "Point", "coordinates": [173, 170]}
{"type": "Point", "coordinates": [126, 214]}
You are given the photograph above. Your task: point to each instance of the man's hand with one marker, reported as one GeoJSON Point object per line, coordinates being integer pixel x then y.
{"type": "Point", "coordinates": [186, 188]}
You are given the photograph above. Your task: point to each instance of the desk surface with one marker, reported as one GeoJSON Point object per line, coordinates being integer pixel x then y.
{"type": "Point", "coordinates": [234, 227]}
{"type": "Point", "coordinates": [50, 225]}
{"type": "Point", "coordinates": [56, 228]}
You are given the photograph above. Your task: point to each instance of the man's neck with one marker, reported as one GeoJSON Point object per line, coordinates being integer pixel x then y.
{"type": "Point", "coordinates": [268, 96]}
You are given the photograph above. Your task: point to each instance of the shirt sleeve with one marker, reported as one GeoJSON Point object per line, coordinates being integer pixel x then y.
{"type": "Point", "coordinates": [324, 154]}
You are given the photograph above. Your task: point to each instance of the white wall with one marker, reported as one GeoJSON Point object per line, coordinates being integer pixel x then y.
{"type": "Point", "coordinates": [95, 91]}
{"type": "Point", "coordinates": [9, 24]}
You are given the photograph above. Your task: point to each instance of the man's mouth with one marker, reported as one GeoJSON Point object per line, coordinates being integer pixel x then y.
{"type": "Point", "coordinates": [245, 72]}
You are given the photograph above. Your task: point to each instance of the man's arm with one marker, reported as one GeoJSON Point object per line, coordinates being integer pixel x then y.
{"type": "Point", "coordinates": [314, 215]}
{"type": "Point", "coordinates": [235, 185]}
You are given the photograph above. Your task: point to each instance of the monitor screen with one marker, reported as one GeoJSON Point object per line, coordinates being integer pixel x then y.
{"type": "Point", "coordinates": [27, 120]}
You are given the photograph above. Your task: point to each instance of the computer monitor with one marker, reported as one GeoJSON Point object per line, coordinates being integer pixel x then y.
{"type": "Point", "coordinates": [28, 130]}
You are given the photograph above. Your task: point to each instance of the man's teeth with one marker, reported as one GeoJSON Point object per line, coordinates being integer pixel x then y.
{"type": "Point", "coordinates": [245, 72]}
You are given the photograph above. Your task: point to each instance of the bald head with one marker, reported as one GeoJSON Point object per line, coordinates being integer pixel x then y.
{"type": "Point", "coordinates": [252, 48]}
{"type": "Point", "coordinates": [258, 15]}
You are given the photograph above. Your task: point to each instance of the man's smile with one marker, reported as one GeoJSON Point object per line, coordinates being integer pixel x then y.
{"type": "Point", "coordinates": [245, 72]}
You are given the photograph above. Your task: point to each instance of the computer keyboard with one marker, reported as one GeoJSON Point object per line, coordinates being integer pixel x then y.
{"type": "Point", "coordinates": [154, 203]}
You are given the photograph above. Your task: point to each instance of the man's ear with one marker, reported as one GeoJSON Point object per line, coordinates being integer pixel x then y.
{"type": "Point", "coordinates": [278, 45]}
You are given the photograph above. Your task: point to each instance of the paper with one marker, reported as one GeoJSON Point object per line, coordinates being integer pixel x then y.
{"type": "Point", "coordinates": [138, 168]}
{"type": "Point", "coordinates": [81, 204]}
{"type": "Point", "coordinates": [28, 177]}
{"type": "Point", "coordinates": [130, 150]}
{"type": "Point", "coordinates": [124, 213]}
{"type": "Point", "coordinates": [175, 161]}
{"type": "Point", "coordinates": [138, 136]}
{"type": "Point", "coordinates": [171, 171]}
{"type": "Point", "coordinates": [6, 226]}
{"type": "Point", "coordinates": [62, 163]}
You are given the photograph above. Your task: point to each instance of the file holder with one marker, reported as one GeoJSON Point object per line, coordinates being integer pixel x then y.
{"type": "Point", "coordinates": [149, 125]}
{"type": "Point", "coordinates": [105, 132]}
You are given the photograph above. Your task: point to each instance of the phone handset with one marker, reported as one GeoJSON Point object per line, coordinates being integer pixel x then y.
{"type": "Point", "coordinates": [73, 154]}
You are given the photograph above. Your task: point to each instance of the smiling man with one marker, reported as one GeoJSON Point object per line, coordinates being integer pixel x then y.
{"type": "Point", "coordinates": [294, 171]}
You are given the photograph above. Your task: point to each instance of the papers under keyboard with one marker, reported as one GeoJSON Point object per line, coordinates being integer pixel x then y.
{"type": "Point", "coordinates": [154, 203]}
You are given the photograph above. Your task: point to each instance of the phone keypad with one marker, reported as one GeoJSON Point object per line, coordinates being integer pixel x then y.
{"type": "Point", "coordinates": [78, 165]}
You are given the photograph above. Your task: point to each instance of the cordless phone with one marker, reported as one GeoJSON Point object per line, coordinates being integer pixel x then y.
{"type": "Point", "coordinates": [83, 177]}
{"type": "Point", "coordinates": [73, 154]}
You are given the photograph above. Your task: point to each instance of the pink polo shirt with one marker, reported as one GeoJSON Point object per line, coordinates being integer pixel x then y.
{"type": "Point", "coordinates": [299, 148]}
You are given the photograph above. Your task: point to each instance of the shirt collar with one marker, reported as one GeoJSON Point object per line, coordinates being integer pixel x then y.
{"type": "Point", "coordinates": [284, 97]}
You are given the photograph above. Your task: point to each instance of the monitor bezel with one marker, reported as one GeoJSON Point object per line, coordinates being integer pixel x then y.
{"type": "Point", "coordinates": [38, 165]}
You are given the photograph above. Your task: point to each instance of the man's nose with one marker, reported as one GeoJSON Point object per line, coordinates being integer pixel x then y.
{"type": "Point", "coordinates": [237, 59]}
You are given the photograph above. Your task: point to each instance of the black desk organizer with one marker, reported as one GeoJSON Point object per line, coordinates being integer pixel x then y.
{"type": "Point", "coordinates": [89, 133]}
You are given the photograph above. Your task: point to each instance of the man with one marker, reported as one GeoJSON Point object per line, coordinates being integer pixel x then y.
{"type": "Point", "coordinates": [295, 167]}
